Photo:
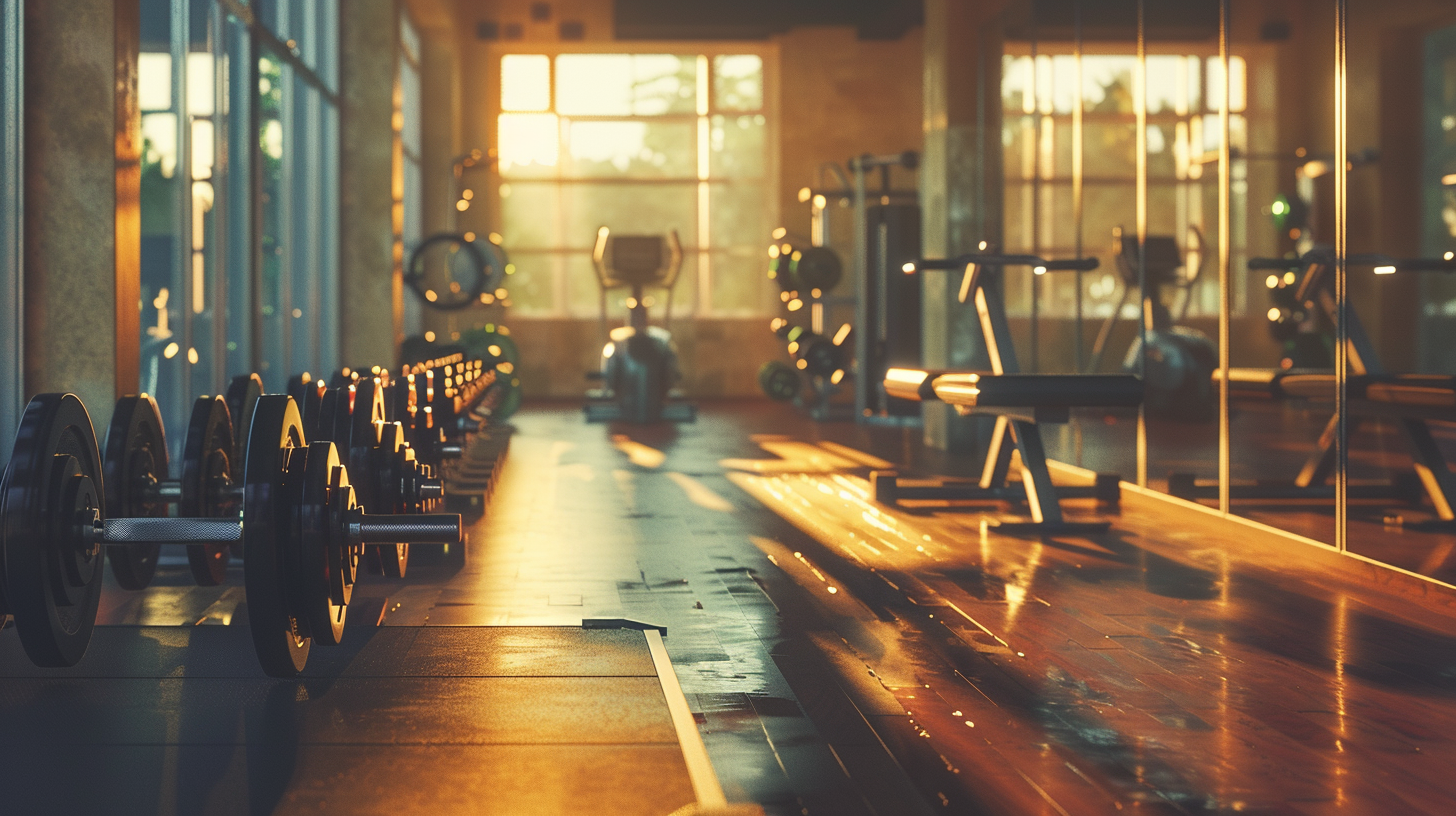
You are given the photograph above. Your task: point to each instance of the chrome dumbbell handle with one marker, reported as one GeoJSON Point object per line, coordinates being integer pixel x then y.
{"type": "Point", "coordinates": [163, 530]}
{"type": "Point", "coordinates": [442, 528]}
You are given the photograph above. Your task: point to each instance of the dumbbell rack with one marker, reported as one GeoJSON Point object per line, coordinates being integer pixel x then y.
{"type": "Point", "coordinates": [275, 486]}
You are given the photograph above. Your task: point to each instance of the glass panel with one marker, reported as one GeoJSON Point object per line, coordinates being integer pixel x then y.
{"type": "Point", "coordinates": [1399, 316]}
{"type": "Point", "coordinates": [625, 84]}
{"type": "Point", "coordinates": [738, 216]}
{"type": "Point", "coordinates": [525, 82]}
{"type": "Point", "coordinates": [529, 145]}
{"type": "Point", "coordinates": [164, 337]}
{"type": "Point", "coordinates": [11, 173]}
{"type": "Point", "coordinates": [738, 82]}
{"type": "Point", "coordinates": [233, 194]}
{"type": "Point", "coordinates": [736, 146]}
{"type": "Point", "coordinates": [739, 285]}
{"type": "Point", "coordinates": [530, 215]}
{"type": "Point", "coordinates": [532, 287]}
{"type": "Point", "coordinates": [632, 149]}
{"type": "Point", "coordinates": [273, 78]}
{"type": "Point", "coordinates": [628, 209]}
{"type": "Point", "coordinates": [201, 264]}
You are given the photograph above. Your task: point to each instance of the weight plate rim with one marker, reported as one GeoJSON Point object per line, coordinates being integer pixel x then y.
{"type": "Point", "coordinates": [133, 565]}
{"type": "Point", "coordinates": [279, 636]}
{"type": "Point", "coordinates": [209, 432]}
{"type": "Point", "coordinates": [28, 570]}
{"type": "Point", "coordinates": [317, 538]}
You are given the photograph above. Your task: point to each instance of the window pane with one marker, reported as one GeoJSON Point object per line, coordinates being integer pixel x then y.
{"type": "Point", "coordinates": [625, 84]}
{"type": "Point", "coordinates": [628, 209]}
{"type": "Point", "coordinates": [529, 215]}
{"type": "Point", "coordinates": [739, 283]}
{"type": "Point", "coordinates": [273, 77]}
{"type": "Point", "coordinates": [529, 144]}
{"type": "Point", "coordinates": [738, 82]}
{"type": "Point", "coordinates": [636, 149]}
{"type": "Point", "coordinates": [532, 287]}
{"type": "Point", "coordinates": [154, 80]}
{"type": "Point", "coordinates": [525, 82]}
{"type": "Point", "coordinates": [738, 217]}
{"type": "Point", "coordinates": [736, 146]}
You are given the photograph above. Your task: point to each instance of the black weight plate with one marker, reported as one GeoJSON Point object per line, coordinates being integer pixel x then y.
{"type": "Point", "coordinates": [135, 461]}
{"type": "Point", "coordinates": [207, 467]}
{"type": "Point", "coordinates": [328, 562]}
{"type": "Point", "coordinates": [817, 268]}
{"type": "Point", "coordinates": [387, 469]}
{"type": "Point", "coordinates": [53, 576]}
{"type": "Point", "coordinates": [309, 407]}
{"type": "Point", "coordinates": [779, 380]}
{"type": "Point", "coordinates": [297, 386]}
{"type": "Point", "coordinates": [273, 464]}
{"type": "Point", "coordinates": [242, 393]}
{"type": "Point", "coordinates": [368, 409]}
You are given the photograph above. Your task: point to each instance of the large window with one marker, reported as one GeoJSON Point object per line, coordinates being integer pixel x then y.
{"type": "Point", "coordinates": [408, 182]}
{"type": "Point", "coordinates": [642, 143]}
{"type": "Point", "coordinates": [238, 196]}
{"type": "Point", "coordinates": [1038, 99]}
{"type": "Point", "coordinates": [12, 390]}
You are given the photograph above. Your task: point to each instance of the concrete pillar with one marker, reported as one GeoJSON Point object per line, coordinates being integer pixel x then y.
{"type": "Point", "coordinates": [71, 308]}
{"type": "Point", "coordinates": [960, 185]}
{"type": "Point", "coordinates": [370, 297]}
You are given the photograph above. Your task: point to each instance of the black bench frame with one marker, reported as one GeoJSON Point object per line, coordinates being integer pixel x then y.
{"type": "Point", "coordinates": [1016, 425]}
{"type": "Point", "coordinates": [1432, 474]}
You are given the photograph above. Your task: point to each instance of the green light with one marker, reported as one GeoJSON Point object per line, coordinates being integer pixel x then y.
{"type": "Point", "coordinates": [1280, 206]}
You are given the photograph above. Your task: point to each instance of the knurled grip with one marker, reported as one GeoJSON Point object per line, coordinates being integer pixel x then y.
{"type": "Point", "coordinates": [170, 530]}
{"type": "Point", "coordinates": [440, 528]}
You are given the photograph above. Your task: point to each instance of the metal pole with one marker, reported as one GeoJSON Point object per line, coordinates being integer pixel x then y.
{"type": "Point", "coordinates": [1342, 204]}
{"type": "Point", "coordinates": [1225, 282]}
{"type": "Point", "coordinates": [1077, 103]}
{"type": "Point", "coordinates": [1140, 107]}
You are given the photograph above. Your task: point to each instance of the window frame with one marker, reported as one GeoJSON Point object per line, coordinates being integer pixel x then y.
{"type": "Point", "coordinates": [702, 305]}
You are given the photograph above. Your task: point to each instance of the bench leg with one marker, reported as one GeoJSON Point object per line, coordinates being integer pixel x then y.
{"type": "Point", "coordinates": [1041, 494]}
{"type": "Point", "coordinates": [998, 456]}
{"type": "Point", "coordinates": [1430, 466]}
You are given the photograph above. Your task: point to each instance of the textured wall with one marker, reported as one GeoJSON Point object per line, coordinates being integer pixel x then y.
{"type": "Point", "coordinates": [70, 196]}
{"type": "Point", "coordinates": [369, 291]}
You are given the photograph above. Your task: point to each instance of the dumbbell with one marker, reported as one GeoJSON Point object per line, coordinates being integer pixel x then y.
{"type": "Point", "coordinates": [136, 483]}
{"type": "Point", "coordinates": [389, 477]}
{"type": "Point", "coordinates": [300, 526]}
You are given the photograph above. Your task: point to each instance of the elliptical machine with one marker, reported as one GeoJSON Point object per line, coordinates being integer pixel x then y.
{"type": "Point", "coordinates": [639, 363]}
{"type": "Point", "coordinates": [1178, 367]}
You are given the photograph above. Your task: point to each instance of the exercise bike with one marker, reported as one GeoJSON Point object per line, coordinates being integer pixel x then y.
{"type": "Point", "coordinates": [1180, 360]}
{"type": "Point", "coordinates": [639, 367]}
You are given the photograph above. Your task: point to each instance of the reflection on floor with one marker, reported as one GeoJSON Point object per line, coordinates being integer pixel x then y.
{"type": "Point", "coordinates": [1270, 441]}
{"type": "Point", "coordinates": [839, 657]}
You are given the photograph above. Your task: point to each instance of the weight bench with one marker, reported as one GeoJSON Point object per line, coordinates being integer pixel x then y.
{"type": "Point", "coordinates": [1411, 400]}
{"type": "Point", "coordinates": [1020, 402]}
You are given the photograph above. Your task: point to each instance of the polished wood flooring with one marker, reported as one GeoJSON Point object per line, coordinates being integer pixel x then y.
{"type": "Point", "coordinates": [839, 657]}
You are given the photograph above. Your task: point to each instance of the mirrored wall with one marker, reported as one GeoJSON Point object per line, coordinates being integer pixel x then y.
{"type": "Point", "coordinates": [1270, 190]}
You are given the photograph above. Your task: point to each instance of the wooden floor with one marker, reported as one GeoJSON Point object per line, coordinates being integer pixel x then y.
{"type": "Point", "coordinates": [840, 657]}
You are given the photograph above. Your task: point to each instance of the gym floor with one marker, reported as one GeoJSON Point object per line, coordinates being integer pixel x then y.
{"type": "Point", "coordinates": [838, 657]}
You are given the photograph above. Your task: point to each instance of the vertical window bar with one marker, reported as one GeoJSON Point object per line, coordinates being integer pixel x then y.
{"type": "Point", "coordinates": [705, 263]}
{"type": "Point", "coordinates": [1140, 108]}
{"type": "Point", "coordinates": [1036, 120]}
{"type": "Point", "coordinates": [1225, 300]}
{"type": "Point", "coordinates": [1077, 103]}
{"type": "Point", "coordinates": [1342, 152]}
{"type": "Point", "coordinates": [12, 336]}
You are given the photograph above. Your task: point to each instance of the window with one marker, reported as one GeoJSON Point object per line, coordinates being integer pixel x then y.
{"type": "Point", "coordinates": [12, 385]}
{"type": "Point", "coordinates": [408, 149]}
{"type": "Point", "coordinates": [222, 292]}
{"type": "Point", "coordinates": [642, 143]}
{"type": "Point", "coordinates": [1038, 97]}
